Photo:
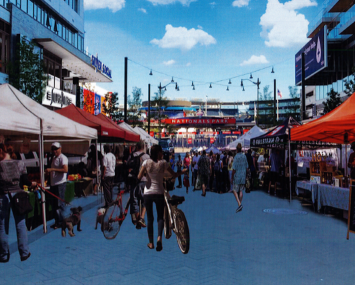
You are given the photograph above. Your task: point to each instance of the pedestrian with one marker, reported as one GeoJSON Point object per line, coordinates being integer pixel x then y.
{"type": "Point", "coordinates": [240, 167]}
{"type": "Point", "coordinates": [218, 173]}
{"type": "Point", "coordinates": [275, 162]}
{"type": "Point", "coordinates": [351, 162]}
{"type": "Point", "coordinates": [225, 174]}
{"type": "Point", "coordinates": [178, 167]}
{"type": "Point", "coordinates": [172, 161]}
{"type": "Point", "coordinates": [134, 164]}
{"type": "Point", "coordinates": [230, 170]}
{"type": "Point", "coordinates": [195, 168]}
{"type": "Point", "coordinates": [13, 175]}
{"type": "Point", "coordinates": [58, 174]}
{"type": "Point", "coordinates": [251, 164]}
{"type": "Point", "coordinates": [154, 169]}
{"type": "Point", "coordinates": [212, 161]}
{"type": "Point", "coordinates": [93, 169]}
{"type": "Point", "coordinates": [108, 174]}
{"type": "Point", "coordinates": [186, 164]}
{"type": "Point", "coordinates": [203, 171]}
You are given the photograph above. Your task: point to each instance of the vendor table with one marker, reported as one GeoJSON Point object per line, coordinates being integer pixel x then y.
{"type": "Point", "coordinates": [332, 196]}
{"type": "Point", "coordinates": [308, 186]}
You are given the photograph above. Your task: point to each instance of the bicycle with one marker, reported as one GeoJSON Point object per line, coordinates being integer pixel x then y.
{"type": "Point", "coordinates": [174, 218]}
{"type": "Point", "coordinates": [114, 217]}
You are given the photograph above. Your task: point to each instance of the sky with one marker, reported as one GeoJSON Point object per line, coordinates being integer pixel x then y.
{"type": "Point", "coordinates": [207, 42]}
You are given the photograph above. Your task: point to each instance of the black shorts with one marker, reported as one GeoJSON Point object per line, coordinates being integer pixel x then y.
{"type": "Point", "coordinates": [273, 176]}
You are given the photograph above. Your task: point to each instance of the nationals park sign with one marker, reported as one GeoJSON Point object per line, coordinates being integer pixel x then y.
{"type": "Point", "coordinates": [199, 121]}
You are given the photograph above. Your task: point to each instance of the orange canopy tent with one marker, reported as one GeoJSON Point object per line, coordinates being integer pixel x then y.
{"type": "Point", "coordinates": [338, 126]}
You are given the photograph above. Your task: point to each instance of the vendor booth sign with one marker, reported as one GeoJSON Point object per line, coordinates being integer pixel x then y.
{"type": "Point", "coordinates": [100, 66]}
{"type": "Point", "coordinates": [57, 98]}
{"type": "Point", "coordinates": [330, 156]}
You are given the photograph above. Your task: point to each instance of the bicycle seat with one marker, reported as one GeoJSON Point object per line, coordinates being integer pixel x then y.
{"type": "Point", "coordinates": [176, 200]}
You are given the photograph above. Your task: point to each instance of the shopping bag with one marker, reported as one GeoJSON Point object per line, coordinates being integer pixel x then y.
{"type": "Point", "coordinates": [198, 183]}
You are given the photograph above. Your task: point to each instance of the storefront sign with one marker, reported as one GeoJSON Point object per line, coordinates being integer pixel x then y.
{"type": "Point", "coordinates": [57, 98]}
{"type": "Point", "coordinates": [100, 66]}
{"type": "Point", "coordinates": [199, 121]}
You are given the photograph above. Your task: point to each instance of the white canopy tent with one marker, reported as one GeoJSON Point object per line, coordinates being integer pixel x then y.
{"type": "Point", "coordinates": [21, 117]}
{"type": "Point", "coordinates": [244, 140]}
{"type": "Point", "coordinates": [145, 136]}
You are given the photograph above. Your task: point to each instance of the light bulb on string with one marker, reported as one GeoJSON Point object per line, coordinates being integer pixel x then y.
{"type": "Point", "coordinates": [151, 72]}
{"type": "Point", "coordinates": [210, 85]}
{"type": "Point", "coordinates": [230, 82]}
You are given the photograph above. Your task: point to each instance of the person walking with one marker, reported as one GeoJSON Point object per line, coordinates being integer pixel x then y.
{"type": "Point", "coordinates": [240, 167]}
{"type": "Point", "coordinates": [230, 170]}
{"type": "Point", "coordinates": [225, 174]}
{"type": "Point", "coordinates": [251, 164]}
{"type": "Point", "coordinates": [218, 173]}
{"type": "Point", "coordinates": [178, 168]}
{"type": "Point", "coordinates": [212, 161]}
{"type": "Point", "coordinates": [154, 169]}
{"type": "Point", "coordinates": [13, 175]}
{"type": "Point", "coordinates": [93, 169]}
{"type": "Point", "coordinates": [195, 168]}
{"type": "Point", "coordinates": [108, 174]}
{"type": "Point", "coordinates": [204, 171]}
{"type": "Point", "coordinates": [134, 164]}
{"type": "Point", "coordinates": [275, 162]}
{"type": "Point", "coordinates": [58, 174]}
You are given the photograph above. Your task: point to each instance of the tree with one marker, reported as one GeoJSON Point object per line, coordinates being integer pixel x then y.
{"type": "Point", "coordinates": [135, 102]}
{"type": "Point", "coordinates": [264, 111]}
{"type": "Point", "coordinates": [160, 102]}
{"type": "Point", "coordinates": [292, 108]}
{"type": "Point", "coordinates": [110, 106]}
{"type": "Point", "coordinates": [26, 72]}
{"type": "Point", "coordinates": [333, 101]}
{"type": "Point", "coordinates": [350, 84]}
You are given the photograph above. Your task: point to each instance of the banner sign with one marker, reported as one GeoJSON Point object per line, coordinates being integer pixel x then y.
{"type": "Point", "coordinates": [95, 62]}
{"type": "Point", "coordinates": [305, 156]}
{"type": "Point", "coordinates": [200, 121]}
{"type": "Point", "coordinates": [189, 140]}
{"type": "Point", "coordinates": [152, 134]}
{"type": "Point", "coordinates": [315, 56]}
{"type": "Point", "coordinates": [58, 98]}
{"type": "Point", "coordinates": [97, 104]}
{"type": "Point", "coordinates": [211, 140]}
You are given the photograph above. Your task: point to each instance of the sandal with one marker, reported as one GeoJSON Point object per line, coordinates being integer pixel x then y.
{"type": "Point", "coordinates": [150, 245]}
{"type": "Point", "coordinates": [159, 246]}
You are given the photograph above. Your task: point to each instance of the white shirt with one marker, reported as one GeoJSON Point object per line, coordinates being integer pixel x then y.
{"type": "Point", "coordinates": [109, 162]}
{"type": "Point", "coordinates": [195, 159]}
{"type": "Point", "coordinates": [261, 158]}
{"type": "Point", "coordinates": [155, 176]}
{"type": "Point", "coordinates": [58, 163]}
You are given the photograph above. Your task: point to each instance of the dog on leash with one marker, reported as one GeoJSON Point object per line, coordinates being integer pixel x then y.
{"type": "Point", "coordinates": [100, 216]}
{"type": "Point", "coordinates": [73, 220]}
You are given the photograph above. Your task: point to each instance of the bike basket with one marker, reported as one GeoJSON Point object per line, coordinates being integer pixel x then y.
{"type": "Point", "coordinates": [169, 184]}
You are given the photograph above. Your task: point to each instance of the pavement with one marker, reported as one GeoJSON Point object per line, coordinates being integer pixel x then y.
{"type": "Point", "coordinates": [286, 244]}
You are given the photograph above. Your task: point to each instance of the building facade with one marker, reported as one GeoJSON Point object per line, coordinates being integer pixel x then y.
{"type": "Point", "coordinates": [57, 29]}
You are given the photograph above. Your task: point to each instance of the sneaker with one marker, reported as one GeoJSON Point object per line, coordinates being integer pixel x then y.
{"type": "Point", "coordinates": [239, 208]}
{"type": "Point", "coordinates": [138, 226]}
{"type": "Point", "coordinates": [141, 223]}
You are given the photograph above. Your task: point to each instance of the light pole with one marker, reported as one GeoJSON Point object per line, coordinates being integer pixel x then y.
{"type": "Point", "coordinates": [257, 83]}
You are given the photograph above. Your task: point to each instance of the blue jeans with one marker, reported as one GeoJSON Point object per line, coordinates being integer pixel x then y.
{"type": "Point", "coordinates": [22, 239]}
{"type": "Point", "coordinates": [136, 195]}
{"type": "Point", "coordinates": [59, 190]}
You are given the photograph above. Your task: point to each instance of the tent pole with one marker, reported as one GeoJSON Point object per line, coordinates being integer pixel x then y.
{"type": "Point", "coordinates": [97, 168]}
{"type": "Point", "coordinates": [41, 171]}
{"type": "Point", "coordinates": [289, 163]}
{"type": "Point", "coordinates": [346, 160]}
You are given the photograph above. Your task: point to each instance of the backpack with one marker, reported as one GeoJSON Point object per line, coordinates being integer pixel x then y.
{"type": "Point", "coordinates": [217, 166]}
{"type": "Point", "coordinates": [134, 164]}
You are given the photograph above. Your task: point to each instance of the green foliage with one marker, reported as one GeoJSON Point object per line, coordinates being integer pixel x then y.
{"type": "Point", "coordinates": [26, 72]}
{"type": "Point", "coordinates": [265, 113]}
{"type": "Point", "coordinates": [160, 103]}
{"type": "Point", "coordinates": [110, 106]}
{"type": "Point", "coordinates": [134, 103]}
{"type": "Point", "coordinates": [333, 101]}
{"type": "Point", "coordinates": [350, 84]}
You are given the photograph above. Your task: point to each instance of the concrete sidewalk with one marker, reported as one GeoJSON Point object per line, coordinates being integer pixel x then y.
{"type": "Point", "coordinates": [250, 247]}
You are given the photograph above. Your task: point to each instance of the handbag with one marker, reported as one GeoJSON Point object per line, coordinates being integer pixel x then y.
{"type": "Point", "coordinates": [21, 203]}
{"type": "Point", "coordinates": [198, 185]}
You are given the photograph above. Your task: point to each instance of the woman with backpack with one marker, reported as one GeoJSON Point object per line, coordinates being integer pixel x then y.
{"type": "Point", "coordinates": [218, 172]}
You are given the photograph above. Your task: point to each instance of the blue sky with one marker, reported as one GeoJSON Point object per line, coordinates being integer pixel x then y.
{"type": "Point", "coordinates": [201, 41]}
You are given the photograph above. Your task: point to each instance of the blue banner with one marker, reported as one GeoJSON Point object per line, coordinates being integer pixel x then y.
{"type": "Point", "coordinates": [97, 104]}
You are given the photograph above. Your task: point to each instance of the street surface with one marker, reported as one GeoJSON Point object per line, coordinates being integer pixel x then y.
{"type": "Point", "coordinates": [249, 247]}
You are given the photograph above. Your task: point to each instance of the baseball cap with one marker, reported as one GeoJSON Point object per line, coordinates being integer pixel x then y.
{"type": "Point", "coordinates": [56, 145]}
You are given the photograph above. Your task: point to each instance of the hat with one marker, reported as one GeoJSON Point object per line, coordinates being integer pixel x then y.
{"type": "Point", "coordinates": [239, 146]}
{"type": "Point", "coordinates": [56, 145]}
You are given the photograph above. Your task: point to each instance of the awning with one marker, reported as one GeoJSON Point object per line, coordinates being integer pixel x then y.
{"type": "Point", "coordinates": [82, 68]}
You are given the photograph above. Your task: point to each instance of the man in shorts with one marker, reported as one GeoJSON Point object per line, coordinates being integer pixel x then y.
{"type": "Point", "coordinates": [240, 166]}
{"type": "Point", "coordinates": [204, 171]}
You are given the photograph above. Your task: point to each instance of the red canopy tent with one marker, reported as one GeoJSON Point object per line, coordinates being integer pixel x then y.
{"type": "Point", "coordinates": [129, 136]}
{"type": "Point", "coordinates": [338, 126]}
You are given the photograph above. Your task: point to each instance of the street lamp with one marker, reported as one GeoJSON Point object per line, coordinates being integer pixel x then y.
{"type": "Point", "coordinates": [257, 83]}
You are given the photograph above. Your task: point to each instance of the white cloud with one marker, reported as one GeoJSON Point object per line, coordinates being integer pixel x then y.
{"type": "Point", "coordinates": [240, 3]}
{"type": "Point", "coordinates": [213, 4]}
{"type": "Point", "coordinates": [142, 10]}
{"type": "Point", "coordinates": [199, 27]}
{"type": "Point", "coordinates": [282, 26]}
{"type": "Point", "coordinates": [167, 2]}
{"type": "Point", "coordinates": [188, 64]}
{"type": "Point", "coordinates": [113, 5]}
{"type": "Point", "coordinates": [183, 38]}
{"type": "Point", "coordinates": [169, 62]}
{"type": "Point", "coordinates": [255, 60]}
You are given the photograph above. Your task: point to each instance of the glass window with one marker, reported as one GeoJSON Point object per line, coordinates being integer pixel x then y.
{"type": "Point", "coordinates": [64, 32]}
{"type": "Point", "coordinates": [60, 29]}
{"type": "Point", "coordinates": [70, 40]}
{"type": "Point", "coordinates": [30, 8]}
{"type": "Point", "coordinates": [35, 11]}
{"type": "Point", "coordinates": [75, 5]}
{"type": "Point", "coordinates": [18, 3]}
{"type": "Point", "coordinates": [24, 5]}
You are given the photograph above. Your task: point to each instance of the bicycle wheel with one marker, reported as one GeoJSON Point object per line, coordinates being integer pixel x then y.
{"type": "Point", "coordinates": [182, 233]}
{"type": "Point", "coordinates": [111, 224]}
{"type": "Point", "coordinates": [167, 226]}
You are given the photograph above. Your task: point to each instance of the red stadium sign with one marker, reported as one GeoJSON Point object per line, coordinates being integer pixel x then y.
{"type": "Point", "coordinates": [200, 121]}
{"type": "Point", "coordinates": [189, 140]}
{"type": "Point", "coordinates": [211, 140]}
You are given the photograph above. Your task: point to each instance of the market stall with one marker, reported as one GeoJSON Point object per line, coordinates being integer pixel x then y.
{"type": "Point", "coordinates": [244, 140]}
{"type": "Point", "coordinates": [145, 136]}
{"type": "Point", "coordinates": [32, 126]}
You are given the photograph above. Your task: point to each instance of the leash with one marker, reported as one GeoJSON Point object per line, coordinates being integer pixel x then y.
{"type": "Point", "coordinates": [45, 190]}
